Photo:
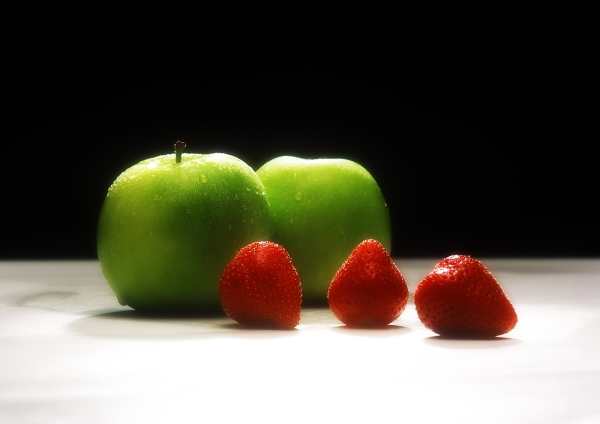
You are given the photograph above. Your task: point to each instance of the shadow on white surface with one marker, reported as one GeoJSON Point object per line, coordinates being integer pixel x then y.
{"type": "Point", "coordinates": [391, 330]}
{"type": "Point", "coordinates": [133, 325]}
{"type": "Point", "coordinates": [468, 343]}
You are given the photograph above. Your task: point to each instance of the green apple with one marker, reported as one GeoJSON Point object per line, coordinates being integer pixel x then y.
{"type": "Point", "coordinates": [321, 210]}
{"type": "Point", "coordinates": [169, 225]}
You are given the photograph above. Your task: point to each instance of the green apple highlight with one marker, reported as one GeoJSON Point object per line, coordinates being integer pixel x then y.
{"type": "Point", "coordinates": [321, 209]}
{"type": "Point", "coordinates": [169, 225]}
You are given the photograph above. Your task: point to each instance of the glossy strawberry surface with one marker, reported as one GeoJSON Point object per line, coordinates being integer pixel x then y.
{"type": "Point", "coordinates": [260, 287]}
{"type": "Point", "coordinates": [461, 297]}
{"type": "Point", "coordinates": [368, 290]}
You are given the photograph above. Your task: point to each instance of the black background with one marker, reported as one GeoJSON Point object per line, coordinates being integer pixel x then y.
{"type": "Point", "coordinates": [480, 123]}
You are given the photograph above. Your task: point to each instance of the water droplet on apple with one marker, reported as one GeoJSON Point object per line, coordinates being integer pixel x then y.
{"type": "Point", "coordinates": [203, 178]}
{"type": "Point", "coordinates": [298, 196]}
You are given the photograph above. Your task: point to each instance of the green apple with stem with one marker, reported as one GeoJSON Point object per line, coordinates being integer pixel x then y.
{"type": "Point", "coordinates": [169, 225]}
{"type": "Point", "coordinates": [321, 209]}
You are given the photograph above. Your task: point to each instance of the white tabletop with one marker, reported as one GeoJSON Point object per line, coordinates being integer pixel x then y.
{"type": "Point", "coordinates": [69, 353]}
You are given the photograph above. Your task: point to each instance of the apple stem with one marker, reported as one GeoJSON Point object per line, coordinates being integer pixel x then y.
{"type": "Point", "coordinates": [179, 146]}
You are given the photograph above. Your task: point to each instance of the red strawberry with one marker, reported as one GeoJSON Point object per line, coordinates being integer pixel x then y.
{"type": "Point", "coordinates": [260, 287]}
{"type": "Point", "coordinates": [368, 290]}
{"type": "Point", "coordinates": [460, 297]}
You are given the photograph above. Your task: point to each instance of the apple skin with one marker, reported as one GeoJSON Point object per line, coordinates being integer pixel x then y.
{"type": "Point", "coordinates": [167, 230]}
{"type": "Point", "coordinates": [321, 209]}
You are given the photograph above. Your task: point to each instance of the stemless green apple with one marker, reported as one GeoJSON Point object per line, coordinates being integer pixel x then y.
{"type": "Point", "coordinates": [321, 210]}
{"type": "Point", "coordinates": [170, 224]}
